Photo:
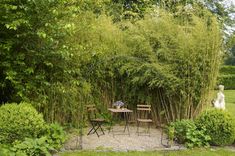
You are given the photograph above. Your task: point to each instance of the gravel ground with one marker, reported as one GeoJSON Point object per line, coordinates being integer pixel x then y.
{"type": "Point", "coordinates": [120, 141]}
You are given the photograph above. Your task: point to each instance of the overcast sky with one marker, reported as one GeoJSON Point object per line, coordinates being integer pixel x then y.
{"type": "Point", "coordinates": [229, 2]}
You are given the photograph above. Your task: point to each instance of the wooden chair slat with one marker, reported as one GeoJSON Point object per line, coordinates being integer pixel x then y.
{"type": "Point", "coordinates": [144, 116]}
{"type": "Point", "coordinates": [146, 106]}
{"type": "Point", "coordinates": [143, 109]}
{"type": "Point", "coordinates": [95, 122]}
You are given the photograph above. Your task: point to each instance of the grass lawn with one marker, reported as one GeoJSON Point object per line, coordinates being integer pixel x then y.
{"type": "Point", "coordinates": [194, 152]}
{"type": "Point", "coordinates": [230, 100]}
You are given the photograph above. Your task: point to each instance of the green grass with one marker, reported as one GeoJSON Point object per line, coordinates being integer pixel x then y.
{"type": "Point", "coordinates": [230, 100]}
{"type": "Point", "coordinates": [194, 152]}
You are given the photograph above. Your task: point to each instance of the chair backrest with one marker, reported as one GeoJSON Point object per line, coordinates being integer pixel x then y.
{"type": "Point", "coordinates": [91, 111]}
{"type": "Point", "coordinates": [144, 111]}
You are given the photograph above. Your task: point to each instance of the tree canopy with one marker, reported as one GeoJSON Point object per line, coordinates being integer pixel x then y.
{"type": "Point", "coordinates": [61, 55]}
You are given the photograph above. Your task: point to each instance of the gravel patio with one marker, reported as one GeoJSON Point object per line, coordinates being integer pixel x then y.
{"type": "Point", "coordinates": [119, 141]}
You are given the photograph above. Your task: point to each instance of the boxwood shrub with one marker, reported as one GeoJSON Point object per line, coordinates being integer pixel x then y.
{"type": "Point", "coordinates": [20, 121]}
{"type": "Point", "coordinates": [219, 125]}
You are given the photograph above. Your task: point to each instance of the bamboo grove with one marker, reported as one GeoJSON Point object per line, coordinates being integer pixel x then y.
{"type": "Point", "coordinates": [63, 55]}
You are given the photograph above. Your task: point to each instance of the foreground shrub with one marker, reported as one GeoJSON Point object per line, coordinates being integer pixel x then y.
{"type": "Point", "coordinates": [197, 138]}
{"type": "Point", "coordinates": [55, 136]}
{"type": "Point", "coordinates": [219, 125]}
{"type": "Point", "coordinates": [52, 139]}
{"type": "Point", "coordinates": [5, 150]}
{"type": "Point", "coordinates": [32, 147]}
{"type": "Point", "coordinates": [20, 121]}
{"type": "Point", "coordinates": [181, 128]}
{"type": "Point", "coordinates": [185, 131]}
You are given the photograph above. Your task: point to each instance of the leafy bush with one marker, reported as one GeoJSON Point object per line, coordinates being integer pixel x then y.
{"type": "Point", "coordinates": [197, 138]}
{"type": "Point", "coordinates": [170, 130]}
{"type": "Point", "coordinates": [18, 121]}
{"type": "Point", "coordinates": [219, 125]}
{"type": "Point", "coordinates": [181, 128]}
{"type": "Point", "coordinates": [33, 147]}
{"type": "Point", "coordinates": [5, 150]}
{"type": "Point", "coordinates": [185, 131]}
{"type": "Point", "coordinates": [55, 136]}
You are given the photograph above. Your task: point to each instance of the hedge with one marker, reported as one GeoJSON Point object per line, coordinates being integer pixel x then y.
{"type": "Point", "coordinates": [227, 77]}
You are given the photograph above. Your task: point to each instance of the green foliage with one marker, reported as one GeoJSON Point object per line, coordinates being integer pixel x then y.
{"type": "Point", "coordinates": [26, 133]}
{"type": "Point", "coordinates": [132, 9]}
{"type": "Point", "coordinates": [227, 77]}
{"type": "Point", "coordinates": [166, 62]}
{"type": "Point", "coordinates": [18, 121]}
{"type": "Point", "coordinates": [170, 131]}
{"type": "Point", "coordinates": [160, 60]}
{"type": "Point", "coordinates": [185, 131]}
{"type": "Point", "coordinates": [62, 55]}
{"type": "Point", "coordinates": [55, 136]}
{"type": "Point", "coordinates": [37, 63]}
{"type": "Point", "coordinates": [227, 80]}
{"type": "Point", "coordinates": [5, 150]}
{"type": "Point", "coordinates": [32, 147]}
{"type": "Point", "coordinates": [227, 70]}
{"type": "Point", "coordinates": [197, 138]}
{"type": "Point", "coordinates": [230, 46]}
{"type": "Point", "coordinates": [181, 128]}
{"type": "Point", "coordinates": [219, 125]}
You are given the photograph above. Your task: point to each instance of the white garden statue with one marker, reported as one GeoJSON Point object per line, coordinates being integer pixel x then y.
{"type": "Point", "coordinates": [220, 102]}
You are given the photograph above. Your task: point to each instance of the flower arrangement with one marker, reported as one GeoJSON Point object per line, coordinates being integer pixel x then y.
{"type": "Point", "coordinates": [118, 104]}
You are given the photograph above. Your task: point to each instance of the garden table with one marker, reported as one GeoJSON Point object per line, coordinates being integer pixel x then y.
{"type": "Point", "coordinates": [126, 113]}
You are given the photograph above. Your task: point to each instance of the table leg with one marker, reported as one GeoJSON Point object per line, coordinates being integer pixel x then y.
{"type": "Point", "coordinates": [111, 124]}
{"type": "Point", "coordinates": [126, 116]}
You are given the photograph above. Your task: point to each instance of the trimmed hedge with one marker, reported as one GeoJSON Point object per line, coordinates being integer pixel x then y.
{"type": "Point", "coordinates": [227, 70]}
{"type": "Point", "coordinates": [20, 121]}
{"type": "Point", "coordinates": [219, 125]}
{"type": "Point", "coordinates": [227, 77]}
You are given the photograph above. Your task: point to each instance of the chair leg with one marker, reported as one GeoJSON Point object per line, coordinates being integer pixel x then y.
{"type": "Point", "coordinates": [92, 129]}
{"type": "Point", "coordinates": [96, 131]}
{"type": "Point", "coordinates": [138, 124]}
{"type": "Point", "coordinates": [95, 127]}
{"type": "Point", "coordinates": [125, 117]}
{"type": "Point", "coordinates": [100, 125]}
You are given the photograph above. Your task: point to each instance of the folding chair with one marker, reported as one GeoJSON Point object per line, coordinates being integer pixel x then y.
{"type": "Point", "coordinates": [95, 122]}
{"type": "Point", "coordinates": [144, 116]}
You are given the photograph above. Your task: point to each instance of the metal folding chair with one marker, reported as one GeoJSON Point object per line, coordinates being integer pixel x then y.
{"type": "Point", "coordinates": [144, 116]}
{"type": "Point", "coordinates": [95, 122]}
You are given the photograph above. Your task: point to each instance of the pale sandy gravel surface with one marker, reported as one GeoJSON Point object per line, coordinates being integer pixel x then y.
{"type": "Point", "coordinates": [119, 141]}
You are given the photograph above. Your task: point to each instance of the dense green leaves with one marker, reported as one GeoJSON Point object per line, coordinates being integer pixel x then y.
{"type": "Point", "coordinates": [62, 55]}
{"type": "Point", "coordinates": [20, 121]}
{"type": "Point", "coordinates": [227, 77]}
{"type": "Point", "coordinates": [36, 58]}
{"type": "Point", "coordinates": [186, 132]}
{"type": "Point", "coordinates": [219, 125]}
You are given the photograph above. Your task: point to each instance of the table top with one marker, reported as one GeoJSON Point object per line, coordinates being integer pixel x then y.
{"type": "Point", "coordinates": [121, 110]}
